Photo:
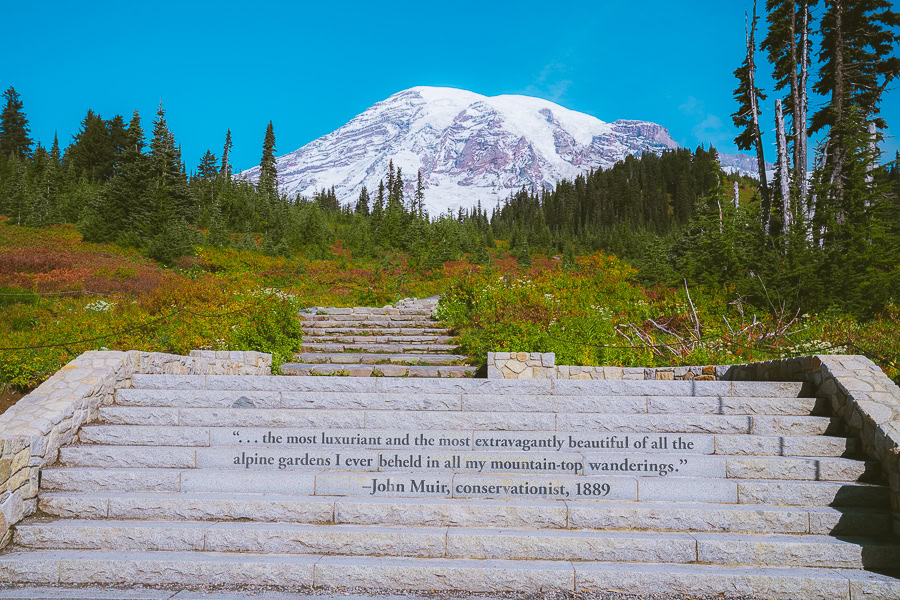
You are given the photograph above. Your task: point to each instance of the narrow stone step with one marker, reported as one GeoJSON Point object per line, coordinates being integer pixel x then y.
{"type": "Point", "coordinates": [369, 332]}
{"type": "Point", "coordinates": [453, 462]}
{"type": "Point", "coordinates": [456, 420]}
{"type": "Point", "coordinates": [377, 339]}
{"type": "Point", "coordinates": [377, 370]}
{"type": "Point", "coordinates": [369, 321]}
{"type": "Point", "coordinates": [376, 358]}
{"type": "Point", "coordinates": [396, 348]}
{"type": "Point", "coordinates": [371, 310]}
{"type": "Point", "coordinates": [461, 440]}
{"type": "Point", "coordinates": [414, 485]}
{"type": "Point", "coordinates": [460, 542]}
{"type": "Point", "coordinates": [559, 387]}
{"type": "Point", "coordinates": [81, 567]}
{"type": "Point", "coordinates": [439, 512]}
{"type": "Point", "coordinates": [472, 402]}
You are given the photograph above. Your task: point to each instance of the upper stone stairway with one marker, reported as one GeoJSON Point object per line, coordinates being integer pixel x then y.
{"type": "Point", "coordinates": [394, 341]}
{"type": "Point", "coordinates": [743, 489]}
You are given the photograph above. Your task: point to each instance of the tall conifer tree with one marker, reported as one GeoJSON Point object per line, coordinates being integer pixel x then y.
{"type": "Point", "coordinates": [419, 204]}
{"type": "Point", "coordinates": [207, 169]}
{"type": "Point", "coordinates": [268, 176]}
{"type": "Point", "coordinates": [14, 130]}
{"type": "Point", "coordinates": [226, 166]}
{"type": "Point", "coordinates": [362, 204]}
{"type": "Point", "coordinates": [858, 42]}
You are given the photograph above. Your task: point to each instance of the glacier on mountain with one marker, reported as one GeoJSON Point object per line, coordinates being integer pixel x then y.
{"type": "Point", "coordinates": [470, 148]}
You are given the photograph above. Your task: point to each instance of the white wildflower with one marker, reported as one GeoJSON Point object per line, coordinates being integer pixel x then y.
{"type": "Point", "coordinates": [100, 306]}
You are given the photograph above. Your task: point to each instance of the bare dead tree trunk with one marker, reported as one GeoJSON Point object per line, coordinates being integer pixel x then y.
{"type": "Point", "coordinates": [795, 89]}
{"type": "Point", "coordinates": [800, 124]}
{"type": "Point", "coordinates": [721, 218]}
{"type": "Point", "coordinates": [873, 153]}
{"type": "Point", "coordinates": [837, 106]}
{"type": "Point", "coordinates": [781, 142]}
{"type": "Point", "coordinates": [737, 196]}
{"type": "Point", "coordinates": [757, 133]}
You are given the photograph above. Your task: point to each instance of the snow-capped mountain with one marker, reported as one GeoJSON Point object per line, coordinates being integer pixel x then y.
{"type": "Point", "coordinates": [743, 164]}
{"type": "Point", "coordinates": [468, 147]}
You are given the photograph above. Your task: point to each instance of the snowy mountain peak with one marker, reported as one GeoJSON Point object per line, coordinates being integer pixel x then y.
{"type": "Point", "coordinates": [469, 147]}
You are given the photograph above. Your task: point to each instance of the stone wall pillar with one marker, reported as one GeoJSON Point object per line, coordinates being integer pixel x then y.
{"type": "Point", "coordinates": [521, 365]}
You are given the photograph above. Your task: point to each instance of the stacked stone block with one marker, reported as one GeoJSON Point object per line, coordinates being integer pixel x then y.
{"type": "Point", "coordinates": [522, 365]}
{"type": "Point", "coordinates": [514, 365]}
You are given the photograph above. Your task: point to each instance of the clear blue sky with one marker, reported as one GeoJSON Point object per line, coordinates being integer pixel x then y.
{"type": "Point", "coordinates": [312, 66]}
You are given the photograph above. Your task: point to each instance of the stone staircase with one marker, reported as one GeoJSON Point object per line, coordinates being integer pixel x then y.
{"type": "Point", "coordinates": [743, 489]}
{"type": "Point", "coordinates": [394, 341]}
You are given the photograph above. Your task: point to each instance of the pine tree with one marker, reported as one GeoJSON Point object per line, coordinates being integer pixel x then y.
{"type": "Point", "coordinates": [397, 192]}
{"type": "Point", "coordinates": [748, 95]}
{"type": "Point", "coordinates": [419, 202]}
{"type": "Point", "coordinates": [378, 208]}
{"type": "Point", "coordinates": [122, 211]}
{"type": "Point", "coordinates": [568, 259]}
{"type": "Point", "coordinates": [16, 200]}
{"type": "Point", "coordinates": [362, 204]}
{"type": "Point", "coordinates": [226, 167]}
{"type": "Point", "coordinates": [391, 233]}
{"type": "Point", "coordinates": [268, 176]}
{"type": "Point", "coordinates": [523, 253]}
{"type": "Point", "coordinates": [14, 128]}
{"type": "Point", "coordinates": [91, 151]}
{"type": "Point", "coordinates": [390, 181]}
{"type": "Point", "coordinates": [857, 66]}
{"type": "Point", "coordinates": [54, 150]}
{"type": "Point", "coordinates": [207, 169]}
{"type": "Point", "coordinates": [171, 197]}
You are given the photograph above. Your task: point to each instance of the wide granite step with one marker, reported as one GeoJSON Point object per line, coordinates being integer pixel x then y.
{"type": "Point", "coordinates": [369, 321]}
{"type": "Point", "coordinates": [416, 485]}
{"type": "Point", "coordinates": [559, 387]}
{"type": "Point", "coordinates": [414, 512]}
{"type": "Point", "coordinates": [358, 370]}
{"type": "Point", "coordinates": [400, 439]}
{"type": "Point", "coordinates": [684, 464]}
{"type": "Point", "coordinates": [477, 402]}
{"type": "Point", "coordinates": [398, 348]}
{"type": "Point", "coordinates": [469, 420]}
{"type": "Point", "coordinates": [800, 550]}
{"type": "Point", "coordinates": [377, 358]}
{"type": "Point", "coordinates": [80, 567]}
{"type": "Point", "coordinates": [369, 332]}
{"type": "Point", "coordinates": [366, 310]}
{"type": "Point", "coordinates": [376, 339]}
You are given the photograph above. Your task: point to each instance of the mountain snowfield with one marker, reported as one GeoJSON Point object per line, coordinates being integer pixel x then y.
{"type": "Point", "coordinates": [470, 148]}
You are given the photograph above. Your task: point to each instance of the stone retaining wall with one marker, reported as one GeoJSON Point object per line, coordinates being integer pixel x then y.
{"type": "Point", "coordinates": [542, 365]}
{"type": "Point", "coordinates": [32, 431]}
{"type": "Point", "coordinates": [860, 394]}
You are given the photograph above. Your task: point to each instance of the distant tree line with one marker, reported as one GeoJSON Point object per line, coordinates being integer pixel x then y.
{"type": "Point", "coordinates": [118, 187]}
